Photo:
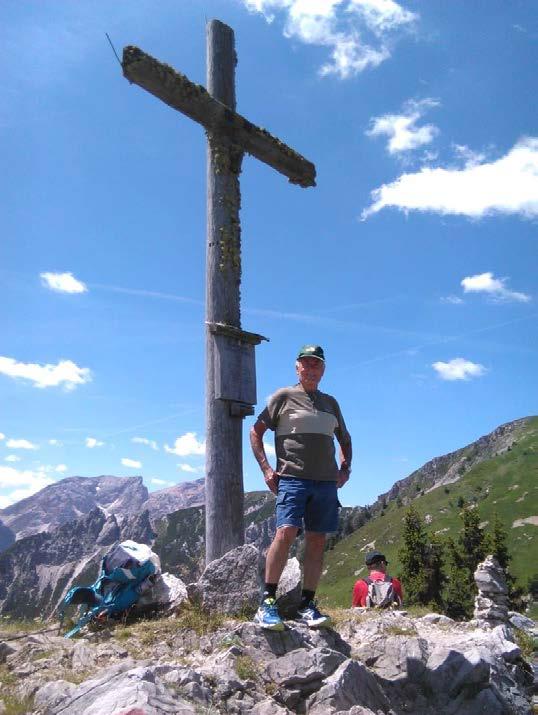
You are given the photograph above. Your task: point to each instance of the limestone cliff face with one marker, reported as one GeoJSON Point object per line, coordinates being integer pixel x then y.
{"type": "Point", "coordinates": [37, 571]}
{"type": "Point", "coordinates": [70, 499]}
{"type": "Point", "coordinates": [180, 496]}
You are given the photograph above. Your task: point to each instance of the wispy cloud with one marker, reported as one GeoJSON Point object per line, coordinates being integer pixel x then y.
{"type": "Point", "coordinates": [55, 443]}
{"type": "Point", "coordinates": [12, 458]}
{"type": "Point", "coordinates": [92, 442]}
{"type": "Point", "coordinates": [132, 463]}
{"type": "Point", "coordinates": [190, 469]}
{"type": "Point", "coordinates": [161, 482]}
{"type": "Point", "coordinates": [2, 436]}
{"type": "Point", "coordinates": [143, 440]}
{"type": "Point", "coordinates": [21, 444]}
{"type": "Point", "coordinates": [493, 287]}
{"type": "Point", "coordinates": [61, 468]}
{"type": "Point", "coordinates": [25, 482]}
{"type": "Point", "coordinates": [508, 185]}
{"type": "Point", "coordinates": [141, 292]}
{"type": "Point", "coordinates": [339, 26]}
{"type": "Point", "coordinates": [458, 369]}
{"type": "Point", "coordinates": [452, 299]}
{"type": "Point", "coordinates": [269, 449]}
{"type": "Point", "coordinates": [403, 132]}
{"type": "Point", "coordinates": [186, 445]}
{"type": "Point", "coordinates": [65, 373]}
{"type": "Point", "coordinates": [63, 283]}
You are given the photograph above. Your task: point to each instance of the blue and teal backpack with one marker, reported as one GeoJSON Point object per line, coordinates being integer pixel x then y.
{"type": "Point", "coordinates": [127, 570]}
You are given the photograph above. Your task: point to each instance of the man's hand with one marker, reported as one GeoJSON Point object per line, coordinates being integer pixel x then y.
{"type": "Point", "coordinates": [271, 479]}
{"type": "Point", "coordinates": [343, 476]}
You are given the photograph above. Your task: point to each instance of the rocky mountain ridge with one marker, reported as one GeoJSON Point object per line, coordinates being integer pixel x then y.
{"type": "Point", "coordinates": [450, 467]}
{"type": "Point", "coordinates": [74, 497]}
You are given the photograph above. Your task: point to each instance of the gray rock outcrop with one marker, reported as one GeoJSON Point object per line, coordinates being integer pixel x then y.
{"type": "Point", "coordinates": [491, 603]}
{"type": "Point", "coordinates": [231, 584]}
{"type": "Point", "coordinates": [359, 669]}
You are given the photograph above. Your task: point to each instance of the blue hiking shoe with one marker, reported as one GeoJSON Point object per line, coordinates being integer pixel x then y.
{"type": "Point", "coordinates": [267, 616]}
{"type": "Point", "coordinates": [311, 616]}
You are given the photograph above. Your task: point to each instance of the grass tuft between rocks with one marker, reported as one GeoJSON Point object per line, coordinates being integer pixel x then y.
{"type": "Point", "coordinates": [14, 706]}
{"type": "Point", "coordinates": [246, 667]}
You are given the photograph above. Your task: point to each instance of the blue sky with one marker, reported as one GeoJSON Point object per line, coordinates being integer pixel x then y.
{"type": "Point", "coordinates": [413, 262]}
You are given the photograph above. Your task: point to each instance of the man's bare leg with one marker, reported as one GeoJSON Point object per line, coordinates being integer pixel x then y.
{"type": "Point", "coordinates": [277, 555]}
{"type": "Point", "coordinates": [313, 559]}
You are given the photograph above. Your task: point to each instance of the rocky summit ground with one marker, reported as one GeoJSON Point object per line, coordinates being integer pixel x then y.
{"type": "Point", "coordinates": [193, 663]}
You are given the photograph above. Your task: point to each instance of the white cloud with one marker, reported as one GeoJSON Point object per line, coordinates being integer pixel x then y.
{"type": "Point", "coordinates": [143, 440]}
{"type": "Point", "coordinates": [495, 287]}
{"type": "Point", "coordinates": [66, 372]}
{"type": "Point", "coordinates": [161, 482]}
{"type": "Point", "coordinates": [33, 481]}
{"type": "Point", "coordinates": [508, 185]}
{"type": "Point", "coordinates": [186, 445]}
{"type": "Point", "coordinates": [337, 24]}
{"type": "Point", "coordinates": [5, 502]}
{"type": "Point", "coordinates": [2, 436]}
{"type": "Point", "coordinates": [458, 369]}
{"type": "Point", "coordinates": [131, 463]}
{"type": "Point", "coordinates": [402, 130]}
{"type": "Point", "coordinates": [183, 467]}
{"type": "Point", "coordinates": [63, 283]}
{"type": "Point", "coordinates": [61, 468]}
{"type": "Point", "coordinates": [453, 299]}
{"type": "Point", "coordinates": [12, 458]}
{"type": "Point", "coordinates": [91, 442]}
{"type": "Point", "coordinates": [269, 449]}
{"type": "Point", "coordinates": [382, 16]}
{"type": "Point", "coordinates": [55, 443]}
{"type": "Point", "coordinates": [20, 444]}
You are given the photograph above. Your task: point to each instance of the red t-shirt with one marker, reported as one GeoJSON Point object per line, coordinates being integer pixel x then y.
{"type": "Point", "coordinates": [360, 590]}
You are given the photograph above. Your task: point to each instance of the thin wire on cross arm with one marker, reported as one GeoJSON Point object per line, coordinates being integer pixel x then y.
{"type": "Point", "coordinates": [113, 48]}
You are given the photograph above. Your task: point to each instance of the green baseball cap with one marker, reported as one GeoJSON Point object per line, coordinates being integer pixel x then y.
{"type": "Point", "coordinates": [315, 351]}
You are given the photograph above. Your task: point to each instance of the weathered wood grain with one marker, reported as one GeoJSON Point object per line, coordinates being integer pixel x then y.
{"type": "Point", "coordinates": [217, 116]}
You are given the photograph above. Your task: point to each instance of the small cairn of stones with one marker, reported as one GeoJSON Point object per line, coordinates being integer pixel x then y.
{"type": "Point", "coordinates": [491, 604]}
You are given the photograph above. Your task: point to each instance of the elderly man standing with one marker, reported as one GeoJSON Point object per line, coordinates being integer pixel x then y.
{"type": "Point", "coordinates": [306, 479]}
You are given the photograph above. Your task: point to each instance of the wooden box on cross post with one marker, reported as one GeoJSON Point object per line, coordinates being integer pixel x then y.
{"type": "Point", "coordinates": [235, 367]}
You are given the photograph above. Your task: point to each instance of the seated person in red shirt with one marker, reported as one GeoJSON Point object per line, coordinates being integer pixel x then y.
{"type": "Point", "coordinates": [377, 571]}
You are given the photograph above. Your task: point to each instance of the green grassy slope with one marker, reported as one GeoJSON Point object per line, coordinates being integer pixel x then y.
{"type": "Point", "coordinates": [506, 484]}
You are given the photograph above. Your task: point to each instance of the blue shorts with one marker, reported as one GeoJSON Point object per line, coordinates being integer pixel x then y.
{"type": "Point", "coordinates": [315, 502]}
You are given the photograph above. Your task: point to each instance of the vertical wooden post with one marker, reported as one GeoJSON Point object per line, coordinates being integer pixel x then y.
{"type": "Point", "coordinates": [224, 468]}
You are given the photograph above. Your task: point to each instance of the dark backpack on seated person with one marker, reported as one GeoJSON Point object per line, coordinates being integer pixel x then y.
{"type": "Point", "coordinates": [381, 594]}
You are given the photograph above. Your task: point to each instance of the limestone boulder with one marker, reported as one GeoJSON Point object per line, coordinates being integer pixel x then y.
{"type": "Point", "coordinates": [167, 594]}
{"type": "Point", "coordinates": [231, 584]}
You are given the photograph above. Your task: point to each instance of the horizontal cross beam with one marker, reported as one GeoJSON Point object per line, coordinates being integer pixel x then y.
{"type": "Point", "coordinates": [192, 99]}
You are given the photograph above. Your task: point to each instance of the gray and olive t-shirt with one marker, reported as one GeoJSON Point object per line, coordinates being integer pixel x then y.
{"type": "Point", "coordinates": [305, 424]}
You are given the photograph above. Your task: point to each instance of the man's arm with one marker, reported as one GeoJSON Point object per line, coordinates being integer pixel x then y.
{"type": "Point", "coordinates": [346, 454]}
{"type": "Point", "coordinates": [256, 442]}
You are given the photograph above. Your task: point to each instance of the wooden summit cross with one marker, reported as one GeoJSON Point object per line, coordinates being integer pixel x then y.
{"type": "Point", "coordinates": [230, 371]}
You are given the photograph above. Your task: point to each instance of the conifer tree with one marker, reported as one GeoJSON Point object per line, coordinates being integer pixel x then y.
{"type": "Point", "coordinates": [496, 543]}
{"type": "Point", "coordinates": [497, 546]}
{"type": "Point", "coordinates": [458, 593]}
{"type": "Point", "coordinates": [435, 571]}
{"type": "Point", "coordinates": [464, 555]}
{"type": "Point", "coordinates": [412, 556]}
{"type": "Point", "coordinates": [472, 541]}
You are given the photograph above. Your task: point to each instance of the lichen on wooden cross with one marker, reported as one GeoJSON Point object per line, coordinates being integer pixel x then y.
{"type": "Point", "coordinates": [230, 374]}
